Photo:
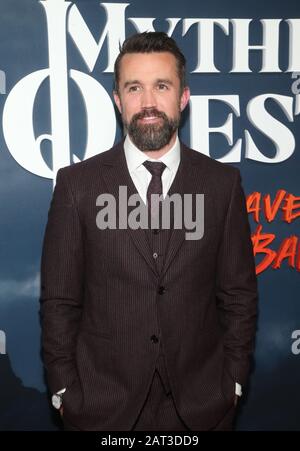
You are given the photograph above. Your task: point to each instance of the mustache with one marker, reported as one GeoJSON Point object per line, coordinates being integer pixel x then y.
{"type": "Point", "coordinates": [150, 112]}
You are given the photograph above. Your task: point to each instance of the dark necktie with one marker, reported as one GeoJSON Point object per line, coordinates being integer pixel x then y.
{"type": "Point", "coordinates": [156, 168]}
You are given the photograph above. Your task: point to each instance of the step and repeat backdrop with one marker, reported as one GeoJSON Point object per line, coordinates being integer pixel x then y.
{"type": "Point", "coordinates": [56, 108]}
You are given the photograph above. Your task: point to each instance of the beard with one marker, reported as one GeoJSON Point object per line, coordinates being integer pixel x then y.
{"type": "Point", "coordinates": [149, 137]}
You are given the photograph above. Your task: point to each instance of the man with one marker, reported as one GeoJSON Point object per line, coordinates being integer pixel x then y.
{"type": "Point", "coordinates": [144, 329]}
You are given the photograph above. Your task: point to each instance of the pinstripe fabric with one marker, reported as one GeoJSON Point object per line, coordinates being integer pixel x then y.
{"type": "Point", "coordinates": [103, 299]}
{"type": "Point", "coordinates": [158, 241]}
{"type": "Point", "coordinates": [159, 411]}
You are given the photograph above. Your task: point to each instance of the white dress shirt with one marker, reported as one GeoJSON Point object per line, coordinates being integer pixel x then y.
{"type": "Point", "coordinates": [141, 177]}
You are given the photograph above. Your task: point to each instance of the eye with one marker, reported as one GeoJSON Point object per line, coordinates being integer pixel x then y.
{"type": "Point", "coordinates": [162, 87]}
{"type": "Point", "coordinates": [134, 88]}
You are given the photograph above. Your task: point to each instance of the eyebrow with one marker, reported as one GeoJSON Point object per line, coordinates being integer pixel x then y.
{"type": "Point", "coordinates": [131, 82]}
{"type": "Point", "coordinates": [137, 82]}
{"type": "Point", "coordinates": [165, 80]}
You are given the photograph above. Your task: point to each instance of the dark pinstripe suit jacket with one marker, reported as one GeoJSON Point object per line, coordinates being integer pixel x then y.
{"type": "Point", "coordinates": [100, 300]}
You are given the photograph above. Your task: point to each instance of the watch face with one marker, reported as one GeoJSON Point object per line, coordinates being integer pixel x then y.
{"type": "Point", "coordinates": [56, 401]}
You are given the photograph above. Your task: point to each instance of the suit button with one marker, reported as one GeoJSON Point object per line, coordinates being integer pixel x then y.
{"type": "Point", "coordinates": [154, 339]}
{"type": "Point", "coordinates": [155, 255]}
{"type": "Point", "coordinates": [161, 290]}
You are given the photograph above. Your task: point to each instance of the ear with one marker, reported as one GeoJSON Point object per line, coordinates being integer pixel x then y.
{"type": "Point", "coordinates": [185, 97]}
{"type": "Point", "coordinates": [117, 101]}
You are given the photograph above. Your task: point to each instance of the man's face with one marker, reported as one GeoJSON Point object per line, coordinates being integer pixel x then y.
{"type": "Point", "coordinates": [149, 98]}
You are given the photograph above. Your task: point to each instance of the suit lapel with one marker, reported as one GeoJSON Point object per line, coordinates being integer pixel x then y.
{"type": "Point", "coordinates": [190, 178]}
{"type": "Point", "coordinates": [115, 173]}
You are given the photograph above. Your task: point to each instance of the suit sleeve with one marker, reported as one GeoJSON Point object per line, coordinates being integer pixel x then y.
{"type": "Point", "coordinates": [237, 286]}
{"type": "Point", "coordinates": [62, 267]}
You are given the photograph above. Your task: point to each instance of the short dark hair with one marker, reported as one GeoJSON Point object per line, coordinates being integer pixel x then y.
{"type": "Point", "coordinates": [148, 42]}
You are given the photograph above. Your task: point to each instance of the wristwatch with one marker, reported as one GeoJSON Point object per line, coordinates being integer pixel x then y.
{"type": "Point", "coordinates": [56, 401]}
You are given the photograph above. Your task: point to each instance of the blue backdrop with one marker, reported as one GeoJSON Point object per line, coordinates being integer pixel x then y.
{"type": "Point", "coordinates": [56, 60]}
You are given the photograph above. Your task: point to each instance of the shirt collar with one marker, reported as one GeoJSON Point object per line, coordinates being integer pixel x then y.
{"type": "Point", "coordinates": [135, 157]}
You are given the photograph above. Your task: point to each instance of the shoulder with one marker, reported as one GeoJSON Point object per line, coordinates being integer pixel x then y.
{"type": "Point", "coordinates": [87, 170]}
{"type": "Point", "coordinates": [213, 169]}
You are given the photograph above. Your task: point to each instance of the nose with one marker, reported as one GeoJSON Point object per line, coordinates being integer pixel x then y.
{"type": "Point", "coordinates": [148, 99]}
